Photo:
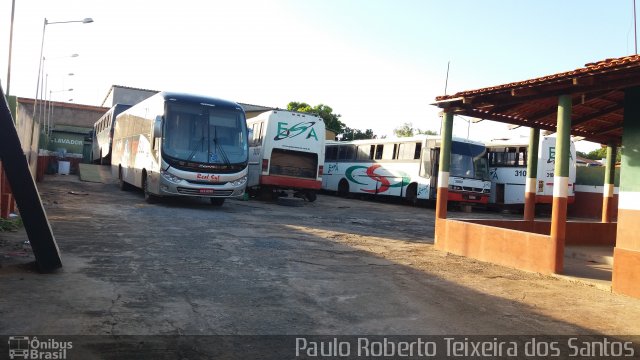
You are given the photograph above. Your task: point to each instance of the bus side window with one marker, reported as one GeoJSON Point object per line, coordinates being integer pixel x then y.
{"type": "Point", "coordinates": [379, 150]}
{"type": "Point", "coordinates": [331, 153]}
{"type": "Point", "coordinates": [259, 129]}
{"type": "Point", "coordinates": [406, 151]}
{"type": "Point", "coordinates": [522, 160]}
{"type": "Point", "coordinates": [417, 151]}
{"type": "Point", "coordinates": [425, 167]}
{"type": "Point", "coordinates": [364, 152]}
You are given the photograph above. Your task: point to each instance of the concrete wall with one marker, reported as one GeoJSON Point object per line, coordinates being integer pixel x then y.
{"type": "Point", "coordinates": [75, 115]}
{"type": "Point", "coordinates": [126, 95]}
{"type": "Point", "coordinates": [578, 232]}
{"type": "Point", "coordinates": [507, 247]}
{"type": "Point", "coordinates": [28, 132]}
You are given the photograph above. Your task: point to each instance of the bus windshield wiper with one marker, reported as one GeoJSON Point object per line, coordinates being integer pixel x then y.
{"type": "Point", "coordinates": [193, 153]}
{"type": "Point", "coordinates": [219, 148]}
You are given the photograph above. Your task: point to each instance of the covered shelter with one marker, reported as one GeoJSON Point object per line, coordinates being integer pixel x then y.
{"type": "Point", "coordinates": [599, 102]}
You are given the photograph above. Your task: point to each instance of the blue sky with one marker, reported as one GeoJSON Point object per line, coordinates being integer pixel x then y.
{"type": "Point", "coordinates": [377, 63]}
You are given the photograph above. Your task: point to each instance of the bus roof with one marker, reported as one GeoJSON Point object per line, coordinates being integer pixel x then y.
{"type": "Point", "coordinates": [177, 96]}
{"type": "Point", "coordinates": [515, 142]}
{"type": "Point", "coordinates": [415, 138]}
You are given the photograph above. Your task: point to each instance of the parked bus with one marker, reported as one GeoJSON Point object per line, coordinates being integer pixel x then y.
{"type": "Point", "coordinates": [103, 135]}
{"type": "Point", "coordinates": [175, 144]}
{"type": "Point", "coordinates": [406, 168]}
{"type": "Point", "coordinates": [508, 171]}
{"type": "Point", "coordinates": [286, 152]}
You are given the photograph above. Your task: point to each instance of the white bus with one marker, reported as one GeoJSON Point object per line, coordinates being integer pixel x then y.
{"type": "Point", "coordinates": [286, 152]}
{"type": "Point", "coordinates": [103, 135]}
{"type": "Point", "coordinates": [508, 170]}
{"type": "Point", "coordinates": [174, 144]}
{"type": "Point", "coordinates": [406, 168]}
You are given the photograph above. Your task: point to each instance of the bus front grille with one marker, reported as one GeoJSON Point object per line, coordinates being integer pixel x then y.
{"type": "Point", "coordinates": [472, 189]}
{"type": "Point", "coordinates": [206, 182]}
{"type": "Point", "coordinates": [204, 192]}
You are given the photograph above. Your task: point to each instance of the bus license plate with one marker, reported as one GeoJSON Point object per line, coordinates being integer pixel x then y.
{"type": "Point", "coordinates": [472, 197]}
{"type": "Point", "coordinates": [206, 191]}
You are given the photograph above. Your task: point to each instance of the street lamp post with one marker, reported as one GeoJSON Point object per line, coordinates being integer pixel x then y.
{"type": "Point", "coordinates": [50, 111]}
{"type": "Point", "coordinates": [40, 64]}
{"type": "Point", "coordinates": [41, 58]}
{"type": "Point", "coordinates": [13, 8]}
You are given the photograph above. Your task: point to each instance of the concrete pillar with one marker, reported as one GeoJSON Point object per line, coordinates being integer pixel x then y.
{"type": "Point", "coordinates": [626, 255]}
{"type": "Point", "coordinates": [532, 175]}
{"type": "Point", "coordinates": [445, 164]}
{"type": "Point", "coordinates": [561, 181]}
{"type": "Point", "coordinates": [609, 176]}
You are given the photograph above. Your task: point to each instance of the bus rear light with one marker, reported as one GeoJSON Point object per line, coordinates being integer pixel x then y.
{"type": "Point", "coordinates": [320, 170]}
{"type": "Point", "coordinates": [265, 165]}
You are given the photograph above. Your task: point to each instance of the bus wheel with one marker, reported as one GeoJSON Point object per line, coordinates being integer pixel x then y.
{"type": "Point", "coordinates": [343, 188]}
{"type": "Point", "coordinates": [310, 196]}
{"type": "Point", "coordinates": [148, 197]}
{"type": "Point", "coordinates": [217, 201]}
{"type": "Point", "coordinates": [412, 194]}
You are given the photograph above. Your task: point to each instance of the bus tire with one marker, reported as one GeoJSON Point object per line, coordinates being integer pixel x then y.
{"type": "Point", "coordinates": [343, 188]}
{"type": "Point", "coordinates": [148, 197]}
{"type": "Point", "coordinates": [310, 196]}
{"type": "Point", "coordinates": [411, 195]}
{"type": "Point", "coordinates": [217, 201]}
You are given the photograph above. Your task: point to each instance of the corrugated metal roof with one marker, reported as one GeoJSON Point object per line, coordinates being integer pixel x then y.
{"type": "Point", "coordinates": [597, 91]}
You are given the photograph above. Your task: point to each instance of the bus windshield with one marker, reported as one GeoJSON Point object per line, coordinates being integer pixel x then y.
{"type": "Point", "coordinates": [205, 134]}
{"type": "Point", "coordinates": [468, 161]}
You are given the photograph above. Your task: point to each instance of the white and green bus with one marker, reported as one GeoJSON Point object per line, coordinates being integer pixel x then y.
{"type": "Point", "coordinates": [507, 160]}
{"type": "Point", "coordinates": [406, 168]}
{"type": "Point", "coordinates": [174, 144]}
{"type": "Point", "coordinates": [286, 152]}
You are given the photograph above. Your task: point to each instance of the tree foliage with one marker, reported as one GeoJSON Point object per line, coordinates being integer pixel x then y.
{"type": "Point", "coordinates": [599, 154]}
{"type": "Point", "coordinates": [356, 134]}
{"type": "Point", "coordinates": [331, 121]}
{"type": "Point", "coordinates": [407, 130]}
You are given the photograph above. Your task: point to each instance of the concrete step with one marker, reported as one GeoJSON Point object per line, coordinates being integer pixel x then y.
{"type": "Point", "coordinates": [596, 254]}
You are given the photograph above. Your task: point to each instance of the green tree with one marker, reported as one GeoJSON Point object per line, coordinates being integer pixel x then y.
{"type": "Point", "coordinates": [427, 132]}
{"type": "Point", "coordinates": [357, 134]}
{"type": "Point", "coordinates": [407, 129]}
{"type": "Point", "coordinates": [599, 154]}
{"type": "Point", "coordinates": [331, 121]}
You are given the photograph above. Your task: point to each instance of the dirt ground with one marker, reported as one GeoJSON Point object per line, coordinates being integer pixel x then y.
{"type": "Point", "coordinates": [335, 266]}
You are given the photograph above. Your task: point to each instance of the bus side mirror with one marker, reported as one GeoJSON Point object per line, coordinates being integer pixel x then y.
{"type": "Point", "coordinates": [157, 127]}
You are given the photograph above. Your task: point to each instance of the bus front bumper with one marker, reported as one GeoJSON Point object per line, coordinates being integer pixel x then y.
{"type": "Point", "coordinates": [186, 188]}
{"type": "Point", "coordinates": [468, 197]}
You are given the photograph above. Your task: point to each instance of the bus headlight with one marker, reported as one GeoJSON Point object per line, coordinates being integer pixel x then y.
{"type": "Point", "coordinates": [239, 182]}
{"type": "Point", "coordinates": [167, 175]}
